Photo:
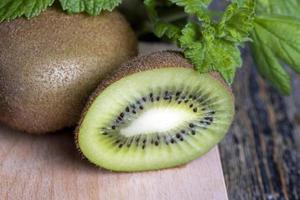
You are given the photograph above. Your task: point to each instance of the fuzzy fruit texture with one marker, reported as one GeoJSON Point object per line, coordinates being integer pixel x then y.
{"type": "Point", "coordinates": [50, 64]}
{"type": "Point", "coordinates": [154, 112]}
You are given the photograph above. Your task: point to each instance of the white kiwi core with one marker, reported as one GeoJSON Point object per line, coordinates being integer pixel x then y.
{"type": "Point", "coordinates": [158, 120]}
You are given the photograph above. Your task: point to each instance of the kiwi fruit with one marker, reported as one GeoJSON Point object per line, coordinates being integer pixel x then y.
{"type": "Point", "coordinates": [50, 65]}
{"type": "Point", "coordinates": [154, 112]}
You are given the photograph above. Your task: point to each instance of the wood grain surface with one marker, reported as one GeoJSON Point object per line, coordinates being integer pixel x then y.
{"type": "Point", "coordinates": [49, 168]}
{"type": "Point", "coordinates": [261, 153]}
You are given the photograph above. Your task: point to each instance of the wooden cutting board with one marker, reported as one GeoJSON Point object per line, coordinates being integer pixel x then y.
{"type": "Point", "coordinates": [49, 168]}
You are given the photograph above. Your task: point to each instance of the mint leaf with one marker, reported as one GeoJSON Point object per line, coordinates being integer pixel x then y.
{"type": "Point", "coordinates": [209, 53]}
{"type": "Point", "coordinates": [237, 21]}
{"type": "Point", "coordinates": [218, 55]}
{"type": "Point", "coordinates": [92, 7]}
{"type": "Point", "coordinates": [169, 30]}
{"type": "Point", "coordinates": [270, 68]}
{"type": "Point", "coordinates": [11, 9]}
{"type": "Point", "coordinates": [281, 7]}
{"type": "Point", "coordinates": [276, 40]}
{"type": "Point", "coordinates": [224, 57]}
{"type": "Point", "coordinates": [197, 7]}
{"type": "Point", "coordinates": [192, 47]}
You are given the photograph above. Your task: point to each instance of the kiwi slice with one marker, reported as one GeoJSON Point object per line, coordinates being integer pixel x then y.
{"type": "Point", "coordinates": [155, 112]}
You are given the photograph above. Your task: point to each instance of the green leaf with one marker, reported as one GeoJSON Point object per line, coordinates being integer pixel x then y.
{"type": "Point", "coordinates": [224, 57]}
{"type": "Point", "coordinates": [237, 21]}
{"type": "Point", "coordinates": [276, 41]}
{"type": "Point", "coordinates": [210, 55]}
{"type": "Point", "coordinates": [193, 49]}
{"type": "Point", "coordinates": [169, 30]}
{"type": "Point", "coordinates": [197, 7]}
{"type": "Point", "coordinates": [161, 28]}
{"type": "Point", "coordinates": [11, 9]}
{"type": "Point", "coordinates": [92, 7]}
{"type": "Point", "coordinates": [150, 6]}
{"type": "Point", "coordinates": [281, 7]}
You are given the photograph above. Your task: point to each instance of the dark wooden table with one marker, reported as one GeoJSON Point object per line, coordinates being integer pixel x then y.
{"type": "Point", "coordinates": [261, 153]}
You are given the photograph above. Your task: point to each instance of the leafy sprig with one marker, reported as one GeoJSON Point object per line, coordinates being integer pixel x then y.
{"type": "Point", "coordinates": [211, 45]}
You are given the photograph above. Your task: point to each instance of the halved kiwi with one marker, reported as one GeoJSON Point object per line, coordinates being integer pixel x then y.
{"type": "Point", "coordinates": [155, 112]}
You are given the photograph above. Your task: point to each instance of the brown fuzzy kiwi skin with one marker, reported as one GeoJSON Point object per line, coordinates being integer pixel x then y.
{"type": "Point", "coordinates": [50, 64]}
{"type": "Point", "coordinates": [155, 60]}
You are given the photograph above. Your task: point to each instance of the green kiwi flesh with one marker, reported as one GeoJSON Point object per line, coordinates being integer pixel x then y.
{"type": "Point", "coordinates": [50, 65]}
{"type": "Point", "coordinates": [160, 113]}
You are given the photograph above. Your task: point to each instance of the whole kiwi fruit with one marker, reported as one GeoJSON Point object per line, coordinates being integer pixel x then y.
{"type": "Point", "coordinates": [155, 112]}
{"type": "Point", "coordinates": [50, 64]}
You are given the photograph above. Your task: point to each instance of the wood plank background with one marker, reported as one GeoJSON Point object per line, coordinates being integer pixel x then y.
{"type": "Point", "coordinates": [261, 153]}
